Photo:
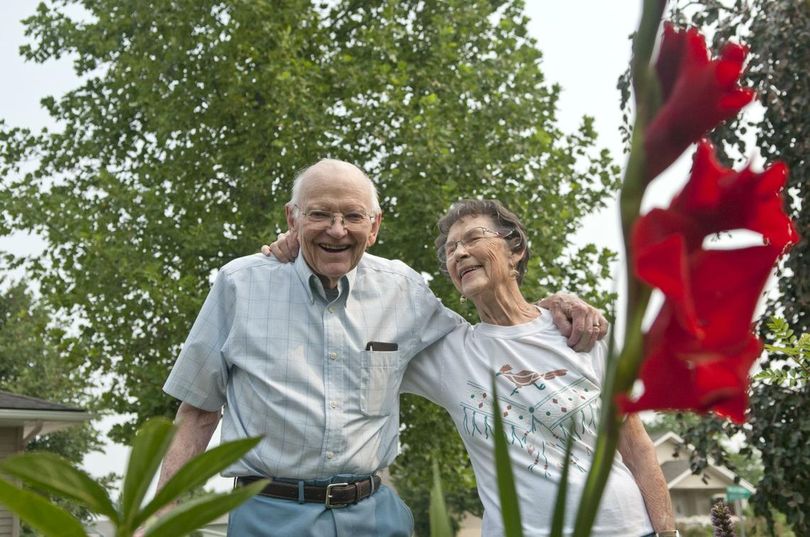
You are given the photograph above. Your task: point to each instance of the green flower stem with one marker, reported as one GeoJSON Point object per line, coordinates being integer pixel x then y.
{"type": "Point", "coordinates": [620, 376]}
{"type": "Point", "coordinates": [623, 370]}
{"type": "Point", "coordinates": [647, 100]}
{"type": "Point", "coordinates": [643, 45]}
{"type": "Point", "coordinates": [630, 205]}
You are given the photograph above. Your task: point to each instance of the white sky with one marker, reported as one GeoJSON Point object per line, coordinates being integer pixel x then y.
{"type": "Point", "coordinates": [585, 48]}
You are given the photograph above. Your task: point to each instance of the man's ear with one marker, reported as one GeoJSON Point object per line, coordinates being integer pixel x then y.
{"type": "Point", "coordinates": [289, 212]}
{"type": "Point", "coordinates": [375, 229]}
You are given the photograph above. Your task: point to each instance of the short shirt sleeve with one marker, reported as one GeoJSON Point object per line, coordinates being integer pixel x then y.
{"type": "Point", "coordinates": [200, 375]}
{"type": "Point", "coordinates": [425, 374]}
{"type": "Point", "coordinates": [434, 320]}
{"type": "Point", "coordinates": [599, 357]}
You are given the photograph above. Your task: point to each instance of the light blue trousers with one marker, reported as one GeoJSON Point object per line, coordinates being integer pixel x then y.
{"type": "Point", "coordinates": [383, 514]}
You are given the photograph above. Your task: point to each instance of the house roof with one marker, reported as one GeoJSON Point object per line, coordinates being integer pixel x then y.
{"type": "Point", "coordinates": [15, 401]}
{"type": "Point", "coordinates": [666, 436]}
{"type": "Point", "coordinates": [674, 468]}
{"type": "Point", "coordinates": [37, 416]}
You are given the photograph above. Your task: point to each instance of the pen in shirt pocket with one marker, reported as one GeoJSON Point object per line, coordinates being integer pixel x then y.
{"type": "Point", "coordinates": [381, 346]}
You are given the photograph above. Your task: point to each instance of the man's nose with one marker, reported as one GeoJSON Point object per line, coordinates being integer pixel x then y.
{"type": "Point", "coordinates": [338, 225]}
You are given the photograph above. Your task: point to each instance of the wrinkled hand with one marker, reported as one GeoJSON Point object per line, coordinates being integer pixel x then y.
{"type": "Point", "coordinates": [285, 248]}
{"type": "Point", "coordinates": [577, 320]}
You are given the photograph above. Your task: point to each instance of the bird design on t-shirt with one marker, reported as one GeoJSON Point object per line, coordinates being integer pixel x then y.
{"type": "Point", "coordinates": [527, 377]}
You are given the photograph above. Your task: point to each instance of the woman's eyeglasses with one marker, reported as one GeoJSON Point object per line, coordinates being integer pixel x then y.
{"type": "Point", "coordinates": [471, 238]}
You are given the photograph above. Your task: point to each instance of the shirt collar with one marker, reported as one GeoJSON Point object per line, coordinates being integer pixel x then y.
{"type": "Point", "coordinates": [310, 279]}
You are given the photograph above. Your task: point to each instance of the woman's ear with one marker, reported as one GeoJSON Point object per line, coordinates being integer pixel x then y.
{"type": "Point", "coordinates": [516, 256]}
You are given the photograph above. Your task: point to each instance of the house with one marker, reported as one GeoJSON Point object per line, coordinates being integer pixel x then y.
{"type": "Point", "coordinates": [21, 419]}
{"type": "Point", "coordinates": [692, 495]}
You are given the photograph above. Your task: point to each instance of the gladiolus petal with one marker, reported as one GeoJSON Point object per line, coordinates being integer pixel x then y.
{"type": "Point", "coordinates": [698, 93]}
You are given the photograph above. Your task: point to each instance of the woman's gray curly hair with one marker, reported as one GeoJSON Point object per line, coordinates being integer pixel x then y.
{"type": "Point", "coordinates": [507, 223]}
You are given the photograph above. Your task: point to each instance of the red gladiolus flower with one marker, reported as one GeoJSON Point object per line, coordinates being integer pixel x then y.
{"type": "Point", "coordinates": [697, 94]}
{"type": "Point", "coordinates": [700, 348]}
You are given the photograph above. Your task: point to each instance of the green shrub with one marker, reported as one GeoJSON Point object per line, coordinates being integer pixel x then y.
{"type": "Point", "coordinates": [54, 475]}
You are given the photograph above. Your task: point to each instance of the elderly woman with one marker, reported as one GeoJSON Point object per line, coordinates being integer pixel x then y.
{"type": "Point", "coordinates": [546, 390]}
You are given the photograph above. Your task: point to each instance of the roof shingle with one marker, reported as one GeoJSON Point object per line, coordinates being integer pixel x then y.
{"type": "Point", "coordinates": [15, 401]}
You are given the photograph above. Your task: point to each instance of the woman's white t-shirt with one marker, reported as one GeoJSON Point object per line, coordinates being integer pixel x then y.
{"type": "Point", "coordinates": [543, 387]}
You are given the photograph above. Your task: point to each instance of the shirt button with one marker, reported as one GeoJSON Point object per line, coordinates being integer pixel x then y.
{"type": "Point", "coordinates": [333, 356]}
{"type": "Point", "coordinates": [333, 404]}
{"type": "Point", "coordinates": [331, 309]}
{"type": "Point", "coordinates": [330, 455]}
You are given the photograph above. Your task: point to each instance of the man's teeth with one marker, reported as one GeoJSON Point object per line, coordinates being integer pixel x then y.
{"type": "Point", "coordinates": [334, 247]}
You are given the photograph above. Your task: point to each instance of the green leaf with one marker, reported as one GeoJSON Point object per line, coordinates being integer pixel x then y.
{"type": "Point", "coordinates": [150, 445]}
{"type": "Point", "coordinates": [439, 520]}
{"type": "Point", "coordinates": [195, 473]}
{"type": "Point", "coordinates": [558, 520]}
{"type": "Point", "coordinates": [510, 510]}
{"type": "Point", "coordinates": [196, 513]}
{"type": "Point", "coordinates": [39, 513]}
{"type": "Point", "coordinates": [57, 476]}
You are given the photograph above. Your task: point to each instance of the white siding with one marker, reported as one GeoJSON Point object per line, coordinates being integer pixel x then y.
{"type": "Point", "coordinates": [715, 482]}
{"type": "Point", "coordinates": [666, 452]}
{"type": "Point", "coordinates": [10, 442]}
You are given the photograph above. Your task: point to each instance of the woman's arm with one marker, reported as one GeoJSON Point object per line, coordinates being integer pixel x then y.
{"type": "Point", "coordinates": [638, 453]}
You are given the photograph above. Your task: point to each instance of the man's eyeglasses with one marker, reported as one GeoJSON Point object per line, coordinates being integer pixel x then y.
{"type": "Point", "coordinates": [351, 220]}
{"type": "Point", "coordinates": [471, 238]}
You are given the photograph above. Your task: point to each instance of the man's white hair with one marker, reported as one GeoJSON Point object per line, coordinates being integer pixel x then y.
{"type": "Point", "coordinates": [332, 165]}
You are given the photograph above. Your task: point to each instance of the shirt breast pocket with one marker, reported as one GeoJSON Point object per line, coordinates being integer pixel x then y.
{"type": "Point", "coordinates": [379, 382]}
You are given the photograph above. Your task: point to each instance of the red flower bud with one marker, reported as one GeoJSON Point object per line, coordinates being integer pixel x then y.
{"type": "Point", "coordinates": [698, 93]}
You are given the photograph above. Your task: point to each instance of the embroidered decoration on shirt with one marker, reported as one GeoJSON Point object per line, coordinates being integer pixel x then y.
{"type": "Point", "coordinates": [541, 420]}
{"type": "Point", "coordinates": [527, 377]}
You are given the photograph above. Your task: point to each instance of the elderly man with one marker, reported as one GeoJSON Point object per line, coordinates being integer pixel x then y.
{"type": "Point", "coordinates": [310, 356]}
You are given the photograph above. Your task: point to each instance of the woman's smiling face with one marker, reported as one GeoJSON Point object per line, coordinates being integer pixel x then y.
{"type": "Point", "coordinates": [478, 258]}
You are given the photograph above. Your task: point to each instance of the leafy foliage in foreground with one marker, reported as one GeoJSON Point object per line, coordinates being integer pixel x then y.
{"type": "Point", "coordinates": [440, 524]}
{"type": "Point", "coordinates": [56, 476]}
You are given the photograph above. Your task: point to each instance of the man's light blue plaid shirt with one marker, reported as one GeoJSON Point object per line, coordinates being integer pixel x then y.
{"type": "Point", "coordinates": [290, 365]}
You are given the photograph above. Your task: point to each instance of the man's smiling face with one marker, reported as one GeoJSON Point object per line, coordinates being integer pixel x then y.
{"type": "Point", "coordinates": [333, 247]}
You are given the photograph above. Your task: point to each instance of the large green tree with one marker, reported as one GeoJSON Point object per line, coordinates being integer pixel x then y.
{"type": "Point", "coordinates": [176, 152]}
{"type": "Point", "coordinates": [778, 426]}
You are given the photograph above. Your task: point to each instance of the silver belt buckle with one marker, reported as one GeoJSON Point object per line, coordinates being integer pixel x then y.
{"type": "Point", "coordinates": [328, 500]}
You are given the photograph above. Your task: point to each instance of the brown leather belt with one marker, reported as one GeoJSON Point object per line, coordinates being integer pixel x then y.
{"type": "Point", "coordinates": [332, 496]}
